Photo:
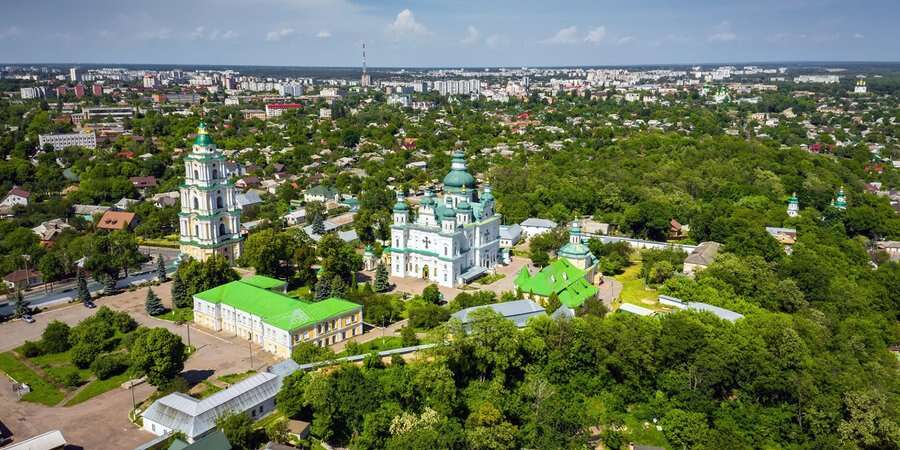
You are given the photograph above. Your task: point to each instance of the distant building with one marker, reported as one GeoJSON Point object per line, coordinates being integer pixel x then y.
{"type": "Point", "coordinates": [322, 194]}
{"type": "Point", "coordinates": [49, 230]}
{"type": "Point", "coordinates": [860, 87]}
{"type": "Point", "coordinates": [276, 109]}
{"type": "Point", "coordinates": [96, 90]}
{"type": "Point", "coordinates": [117, 220]}
{"type": "Point", "coordinates": [840, 200]}
{"type": "Point", "coordinates": [561, 277]}
{"type": "Point", "coordinates": [510, 235]}
{"type": "Point", "coordinates": [719, 312]}
{"type": "Point", "coordinates": [892, 248]}
{"type": "Point", "coordinates": [793, 209]}
{"type": "Point", "coordinates": [79, 90]}
{"type": "Point", "coordinates": [22, 279]}
{"type": "Point", "coordinates": [701, 257]}
{"type": "Point", "coordinates": [256, 308]}
{"type": "Point", "coordinates": [86, 139]}
{"type": "Point", "coordinates": [28, 93]}
{"type": "Point", "coordinates": [74, 74]}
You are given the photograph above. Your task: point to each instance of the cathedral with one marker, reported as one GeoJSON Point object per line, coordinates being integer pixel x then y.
{"type": "Point", "coordinates": [454, 238]}
{"type": "Point", "coordinates": [210, 221]}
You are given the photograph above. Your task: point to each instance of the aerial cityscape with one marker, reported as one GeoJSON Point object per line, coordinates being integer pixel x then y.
{"type": "Point", "coordinates": [448, 225]}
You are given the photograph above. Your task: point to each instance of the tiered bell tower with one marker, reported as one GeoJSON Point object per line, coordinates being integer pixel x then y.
{"type": "Point", "coordinates": [210, 221]}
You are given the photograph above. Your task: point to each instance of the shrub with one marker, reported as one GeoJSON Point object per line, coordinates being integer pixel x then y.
{"type": "Point", "coordinates": [66, 376]}
{"type": "Point", "coordinates": [31, 349]}
{"type": "Point", "coordinates": [55, 338]}
{"type": "Point", "coordinates": [123, 322]}
{"type": "Point", "coordinates": [109, 364]}
{"type": "Point", "coordinates": [84, 354]}
{"type": "Point", "coordinates": [427, 316]}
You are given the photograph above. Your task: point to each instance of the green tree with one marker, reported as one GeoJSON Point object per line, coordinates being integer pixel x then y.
{"type": "Point", "coordinates": [199, 276]}
{"type": "Point", "coordinates": [432, 294]}
{"type": "Point", "coordinates": [323, 288]}
{"type": "Point", "coordinates": [51, 268]}
{"type": "Point", "coordinates": [55, 338]}
{"type": "Point", "coordinates": [238, 428]}
{"type": "Point", "coordinates": [307, 352]}
{"type": "Point", "coordinates": [159, 354]}
{"type": "Point", "coordinates": [338, 287]}
{"type": "Point", "coordinates": [381, 278]}
{"type": "Point", "coordinates": [152, 304]}
{"type": "Point", "coordinates": [84, 295]}
{"type": "Point", "coordinates": [20, 306]}
{"type": "Point", "coordinates": [109, 284]}
{"type": "Point", "coordinates": [161, 269]}
{"type": "Point", "coordinates": [277, 431]}
{"type": "Point", "coordinates": [318, 225]}
{"type": "Point", "coordinates": [180, 297]}
{"type": "Point", "coordinates": [553, 302]}
{"type": "Point", "coordinates": [684, 429]}
{"type": "Point", "coordinates": [408, 336]}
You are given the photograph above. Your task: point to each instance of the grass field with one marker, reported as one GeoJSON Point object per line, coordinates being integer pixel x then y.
{"type": "Point", "coordinates": [235, 377]}
{"type": "Point", "coordinates": [492, 278]}
{"type": "Point", "coordinates": [178, 315]}
{"type": "Point", "coordinates": [41, 391]}
{"type": "Point", "coordinates": [633, 289]}
{"type": "Point", "coordinates": [97, 387]}
{"type": "Point", "coordinates": [375, 345]}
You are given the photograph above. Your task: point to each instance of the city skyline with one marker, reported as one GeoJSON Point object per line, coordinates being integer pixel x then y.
{"type": "Point", "coordinates": [317, 33]}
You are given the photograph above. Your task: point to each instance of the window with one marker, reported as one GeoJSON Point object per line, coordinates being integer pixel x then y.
{"type": "Point", "coordinates": [196, 174]}
{"type": "Point", "coordinates": [219, 202]}
{"type": "Point", "coordinates": [222, 230]}
{"type": "Point", "coordinates": [215, 173]}
{"type": "Point", "coordinates": [197, 231]}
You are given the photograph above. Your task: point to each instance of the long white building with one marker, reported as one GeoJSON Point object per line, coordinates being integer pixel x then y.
{"type": "Point", "coordinates": [61, 141]}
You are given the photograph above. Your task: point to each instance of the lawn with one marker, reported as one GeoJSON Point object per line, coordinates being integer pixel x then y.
{"type": "Point", "coordinates": [41, 391]}
{"type": "Point", "coordinates": [375, 345]}
{"type": "Point", "coordinates": [633, 289]}
{"type": "Point", "coordinates": [301, 292]}
{"type": "Point", "coordinates": [178, 315]}
{"type": "Point", "coordinates": [208, 389]}
{"type": "Point", "coordinates": [97, 387]}
{"type": "Point", "coordinates": [492, 278]}
{"type": "Point", "coordinates": [235, 377]}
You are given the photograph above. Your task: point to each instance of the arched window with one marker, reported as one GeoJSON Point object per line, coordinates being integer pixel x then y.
{"type": "Point", "coordinates": [196, 174]}
{"type": "Point", "coordinates": [196, 203]}
{"type": "Point", "coordinates": [219, 202]}
{"type": "Point", "coordinates": [215, 174]}
{"type": "Point", "coordinates": [222, 229]}
{"type": "Point", "coordinates": [197, 231]}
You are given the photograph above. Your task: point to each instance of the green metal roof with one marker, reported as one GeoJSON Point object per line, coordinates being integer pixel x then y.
{"type": "Point", "coordinates": [561, 277]}
{"type": "Point", "coordinates": [275, 309]}
{"type": "Point", "coordinates": [263, 282]}
{"type": "Point", "coordinates": [203, 138]}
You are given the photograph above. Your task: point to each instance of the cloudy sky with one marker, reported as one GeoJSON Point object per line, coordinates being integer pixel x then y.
{"type": "Point", "coordinates": [447, 33]}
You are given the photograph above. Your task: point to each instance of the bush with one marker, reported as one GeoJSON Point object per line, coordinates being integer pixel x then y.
{"type": "Point", "coordinates": [85, 354]}
{"type": "Point", "coordinates": [123, 322]}
{"type": "Point", "coordinates": [55, 338]}
{"type": "Point", "coordinates": [427, 316]}
{"type": "Point", "coordinates": [66, 376]}
{"type": "Point", "coordinates": [31, 349]}
{"type": "Point", "coordinates": [110, 364]}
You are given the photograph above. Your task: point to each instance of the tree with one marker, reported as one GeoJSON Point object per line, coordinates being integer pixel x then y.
{"type": "Point", "coordinates": [338, 288]}
{"type": "Point", "coordinates": [180, 297]}
{"type": "Point", "coordinates": [238, 428]}
{"type": "Point", "coordinates": [199, 276]}
{"type": "Point", "coordinates": [307, 352]}
{"type": "Point", "coordinates": [20, 305]}
{"type": "Point", "coordinates": [432, 294]}
{"type": "Point", "coordinates": [318, 225]}
{"type": "Point", "coordinates": [381, 278]}
{"type": "Point", "coordinates": [152, 304]}
{"type": "Point", "coordinates": [553, 303]}
{"type": "Point", "coordinates": [270, 252]}
{"type": "Point", "coordinates": [408, 336]}
{"type": "Point", "coordinates": [323, 289]}
{"type": "Point", "coordinates": [277, 431]}
{"type": "Point", "coordinates": [338, 257]}
{"type": "Point", "coordinates": [84, 295]}
{"type": "Point", "coordinates": [684, 429]}
{"type": "Point", "coordinates": [161, 269]}
{"type": "Point", "coordinates": [159, 354]}
{"type": "Point", "coordinates": [55, 338]}
{"type": "Point", "coordinates": [109, 284]}
{"type": "Point", "coordinates": [51, 268]}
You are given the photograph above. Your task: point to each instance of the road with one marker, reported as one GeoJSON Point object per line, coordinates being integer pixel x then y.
{"type": "Point", "coordinates": [65, 291]}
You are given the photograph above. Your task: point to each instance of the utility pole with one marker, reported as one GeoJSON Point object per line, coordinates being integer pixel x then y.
{"type": "Point", "coordinates": [131, 388]}
{"type": "Point", "coordinates": [188, 325]}
{"type": "Point", "coordinates": [250, 345]}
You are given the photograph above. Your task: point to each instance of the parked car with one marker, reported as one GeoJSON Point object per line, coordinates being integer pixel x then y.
{"type": "Point", "coordinates": [28, 318]}
{"type": "Point", "coordinates": [90, 305]}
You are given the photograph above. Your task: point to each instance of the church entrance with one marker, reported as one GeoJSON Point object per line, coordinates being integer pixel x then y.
{"type": "Point", "coordinates": [425, 272]}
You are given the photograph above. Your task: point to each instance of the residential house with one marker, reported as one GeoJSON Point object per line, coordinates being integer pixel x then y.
{"type": "Point", "coordinates": [87, 212]}
{"type": "Point", "coordinates": [49, 230]}
{"type": "Point", "coordinates": [701, 257]}
{"type": "Point", "coordinates": [15, 197]}
{"type": "Point", "coordinates": [143, 183]}
{"type": "Point", "coordinates": [561, 277]}
{"type": "Point", "coordinates": [787, 237]}
{"type": "Point", "coordinates": [22, 279]}
{"type": "Point", "coordinates": [295, 217]}
{"type": "Point", "coordinates": [125, 203]}
{"type": "Point", "coordinates": [677, 231]}
{"type": "Point", "coordinates": [247, 182]}
{"type": "Point", "coordinates": [510, 235]}
{"type": "Point", "coordinates": [322, 194]}
{"type": "Point", "coordinates": [518, 311]}
{"type": "Point", "coordinates": [721, 313]}
{"type": "Point", "coordinates": [117, 220]}
{"type": "Point", "coordinates": [892, 248]}
{"type": "Point", "coordinates": [247, 199]}
{"type": "Point", "coordinates": [166, 199]}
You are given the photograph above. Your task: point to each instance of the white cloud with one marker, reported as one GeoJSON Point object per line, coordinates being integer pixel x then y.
{"type": "Point", "coordinates": [277, 35]}
{"type": "Point", "coordinates": [405, 25]}
{"type": "Point", "coordinates": [596, 35]}
{"type": "Point", "coordinates": [324, 34]}
{"type": "Point", "coordinates": [568, 35]}
{"type": "Point", "coordinates": [858, 36]}
{"type": "Point", "coordinates": [214, 35]}
{"type": "Point", "coordinates": [722, 33]}
{"type": "Point", "coordinates": [625, 40]}
{"type": "Point", "coordinates": [10, 32]}
{"type": "Point", "coordinates": [472, 35]}
{"type": "Point", "coordinates": [496, 40]}
{"type": "Point", "coordinates": [159, 35]}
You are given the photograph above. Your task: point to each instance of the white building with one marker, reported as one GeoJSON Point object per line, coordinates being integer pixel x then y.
{"type": "Point", "coordinates": [454, 239]}
{"type": "Point", "coordinates": [210, 220]}
{"type": "Point", "coordinates": [32, 92]}
{"type": "Point", "coordinates": [15, 196]}
{"type": "Point", "coordinates": [61, 141]}
{"type": "Point", "coordinates": [532, 227]}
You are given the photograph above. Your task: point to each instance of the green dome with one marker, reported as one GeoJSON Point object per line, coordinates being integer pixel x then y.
{"type": "Point", "coordinates": [459, 176]}
{"type": "Point", "coordinates": [574, 250]}
{"type": "Point", "coordinates": [464, 206]}
{"type": "Point", "coordinates": [401, 206]}
{"type": "Point", "coordinates": [448, 213]}
{"type": "Point", "coordinates": [427, 201]}
{"type": "Point", "coordinates": [203, 138]}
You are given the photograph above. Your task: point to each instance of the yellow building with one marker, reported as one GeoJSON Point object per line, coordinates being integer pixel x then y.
{"type": "Point", "coordinates": [253, 309]}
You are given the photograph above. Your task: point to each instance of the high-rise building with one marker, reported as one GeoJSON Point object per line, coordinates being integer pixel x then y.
{"type": "Point", "coordinates": [79, 90]}
{"type": "Point", "coordinates": [74, 74]}
{"type": "Point", "coordinates": [32, 92]}
{"type": "Point", "coordinates": [96, 90]}
{"type": "Point", "coordinates": [210, 221]}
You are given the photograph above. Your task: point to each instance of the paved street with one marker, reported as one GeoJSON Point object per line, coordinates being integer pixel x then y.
{"type": "Point", "coordinates": [102, 422]}
{"type": "Point", "coordinates": [65, 291]}
{"type": "Point", "coordinates": [416, 286]}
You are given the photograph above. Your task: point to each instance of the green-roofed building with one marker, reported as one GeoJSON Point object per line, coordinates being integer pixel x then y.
{"type": "Point", "coordinates": [256, 308]}
{"type": "Point", "coordinates": [561, 277]}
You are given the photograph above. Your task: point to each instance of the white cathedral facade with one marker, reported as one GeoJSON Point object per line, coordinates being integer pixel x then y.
{"type": "Point", "coordinates": [454, 238]}
{"type": "Point", "coordinates": [210, 221]}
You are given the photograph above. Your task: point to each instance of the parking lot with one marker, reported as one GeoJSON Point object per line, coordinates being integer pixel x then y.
{"type": "Point", "coordinates": [102, 422]}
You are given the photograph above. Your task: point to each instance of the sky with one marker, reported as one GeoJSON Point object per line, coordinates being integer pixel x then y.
{"type": "Point", "coordinates": [440, 33]}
